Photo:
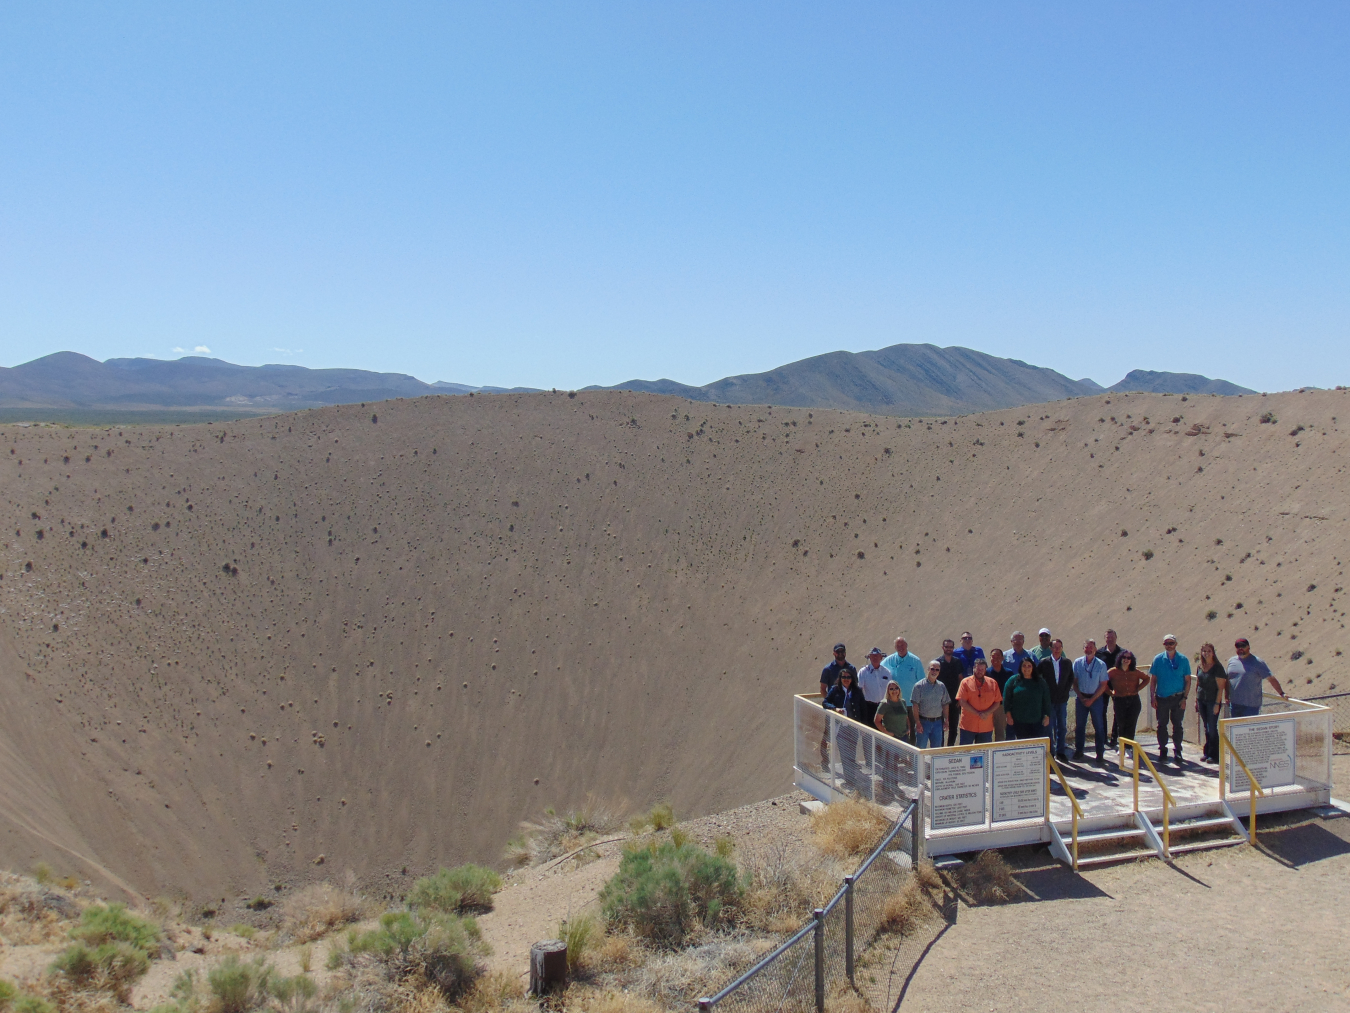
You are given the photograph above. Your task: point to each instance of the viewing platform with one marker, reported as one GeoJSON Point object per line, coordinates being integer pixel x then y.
{"type": "Point", "coordinates": [1006, 794]}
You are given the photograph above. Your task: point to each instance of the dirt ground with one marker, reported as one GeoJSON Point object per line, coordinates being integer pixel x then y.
{"type": "Point", "coordinates": [1251, 929]}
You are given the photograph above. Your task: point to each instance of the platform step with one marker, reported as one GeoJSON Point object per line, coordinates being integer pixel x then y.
{"type": "Point", "coordinates": [1116, 856]}
{"type": "Point", "coordinates": [1190, 826]}
{"type": "Point", "coordinates": [1097, 836]}
{"type": "Point", "coordinates": [1223, 842]}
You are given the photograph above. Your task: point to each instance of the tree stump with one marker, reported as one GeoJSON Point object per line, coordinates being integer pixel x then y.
{"type": "Point", "coordinates": [548, 966]}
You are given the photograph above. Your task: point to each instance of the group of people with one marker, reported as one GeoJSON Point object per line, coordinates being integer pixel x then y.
{"type": "Point", "coordinates": [964, 696]}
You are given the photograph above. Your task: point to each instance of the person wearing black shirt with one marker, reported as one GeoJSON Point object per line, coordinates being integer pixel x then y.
{"type": "Point", "coordinates": [1111, 654]}
{"type": "Point", "coordinates": [1212, 676]}
{"type": "Point", "coordinates": [846, 698]}
{"type": "Point", "coordinates": [950, 674]}
{"type": "Point", "coordinates": [1000, 675]}
{"type": "Point", "coordinates": [829, 677]}
{"type": "Point", "coordinates": [1057, 671]}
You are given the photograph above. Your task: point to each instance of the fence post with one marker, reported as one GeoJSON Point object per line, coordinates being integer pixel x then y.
{"type": "Point", "coordinates": [704, 1005]}
{"type": "Point", "coordinates": [916, 823]}
{"type": "Point", "coordinates": [848, 926]}
{"type": "Point", "coordinates": [819, 915]}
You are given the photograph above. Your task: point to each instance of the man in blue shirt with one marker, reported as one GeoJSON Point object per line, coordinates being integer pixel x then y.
{"type": "Point", "coordinates": [967, 653]}
{"type": "Point", "coordinates": [1089, 684]}
{"type": "Point", "coordinates": [1246, 676]}
{"type": "Point", "coordinates": [1171, 688]}
{"type": "Point", "coordinates": [1013, 661]}
{"type": "Point", "coordinates": [904, 668]}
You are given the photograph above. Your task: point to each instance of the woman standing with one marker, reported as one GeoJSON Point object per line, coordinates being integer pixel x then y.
{"type": "Point", "coordinates": [846, 699]}
{"type": "Point", "coordinates": [1125, 681]}
{"type": "Point", "coordinates": [1026, 702]}
{"type": "Point", "coordinates": [1213, 678]}
{"type": "Point", "coordinates": [892, 717]}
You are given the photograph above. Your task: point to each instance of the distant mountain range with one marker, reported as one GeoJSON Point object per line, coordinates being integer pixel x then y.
{"type": "Point", "coordinates": [898, 380]}
{"type": "Point", "coordinates": [918, 380]}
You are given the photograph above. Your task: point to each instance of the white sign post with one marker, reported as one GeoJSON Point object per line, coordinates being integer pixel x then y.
{"type": "Point", "coordinates": [1267, 748]}
{"type": "Point", "coordinates": [1019, 783]}
{"type": "Point", "coordinates": [958, 789]}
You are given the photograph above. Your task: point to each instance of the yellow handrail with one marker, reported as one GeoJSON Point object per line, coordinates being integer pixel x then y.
{"type": "Point", "coordinates": [1077, 812]}
{"type": "Point", "coordinates": [1139, 753]}
{"type": "Point", "coordinates": [1252, 786]}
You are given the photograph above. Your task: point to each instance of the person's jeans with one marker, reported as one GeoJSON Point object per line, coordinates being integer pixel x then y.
{"type": "Point", "coordinates": [847, 741]}
{"type": "Point", "coordinates": [974, 738]}
{"type": "Point", "coordinates": [932, 734]}
{"type": "Point", "coordinates": [953, 720]}
{"type": "Point", "coordinates": [1127, 710]}
{"type": "Point", "coordinates": [1059, 727]}
{"type": "Point", "coordinates": [1241, 710]}
{"type": "Point", "coordinates": [1098, 712]}
{"type": "Point", "coordinates": [1211, 720]}
{"type": "Point", "coordinates": [1171, 709]}
{"type": "Point", "coordinates": [1025, 730]}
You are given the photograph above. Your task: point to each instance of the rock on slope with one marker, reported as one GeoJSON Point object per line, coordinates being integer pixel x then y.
{"type": "Point", "coordinates": [384, 634]}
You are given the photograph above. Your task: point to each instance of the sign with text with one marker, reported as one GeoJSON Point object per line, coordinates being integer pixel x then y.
{"type": "Point", "coordinates": [958, 790]}
{"type": "Point", "coordinates": [1267, 748]}
{"type": "Point", "coordinates": [1019, 783]}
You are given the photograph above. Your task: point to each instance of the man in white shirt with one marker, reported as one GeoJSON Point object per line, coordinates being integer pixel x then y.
{"type": "Point", "coordinates": [872, 680]}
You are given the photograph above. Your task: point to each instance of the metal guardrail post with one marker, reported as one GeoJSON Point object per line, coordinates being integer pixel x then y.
{"type": "Point", "coordinates": [819, 915]}
{"type": "Point", "coordinates": [704, 1005]}
{"type": "Point", "coordinates": [848, 927]}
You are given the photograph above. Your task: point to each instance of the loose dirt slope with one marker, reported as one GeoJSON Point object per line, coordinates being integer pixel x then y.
{"type": "Point", "coordinates": [240, 648]}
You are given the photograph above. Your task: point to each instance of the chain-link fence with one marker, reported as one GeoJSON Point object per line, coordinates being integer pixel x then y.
{"type": "Point", "coordinates": [819, 958]}
{"type": "Point", "coordinates": [1339, 705]}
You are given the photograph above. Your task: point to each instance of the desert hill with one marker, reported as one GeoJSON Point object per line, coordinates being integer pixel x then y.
{"type": "Point", "coordinates": [379, 636]}
{"type": "Point", "coordinates": [917, 379]}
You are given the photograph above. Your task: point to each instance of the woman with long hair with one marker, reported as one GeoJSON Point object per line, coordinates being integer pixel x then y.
{"type": "Point", "coordinates": [1213, 679]}
{"type": "Point", "coordinates": [1026, 702]}
{"type": "Point", "coordinates": [1125, 681]}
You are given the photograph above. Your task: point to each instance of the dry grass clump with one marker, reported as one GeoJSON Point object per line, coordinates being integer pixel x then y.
{"type": "Point", "coordinates": [554, 835]}
{"type": "Point", "coordinates": [676, 979]}
{"type": "Point", "coordinates": [31, 914]}
{"type": "Point", "coordinates": [844, 998]}
{"type": "Point", "coordinates": [496, 992]}
{"type": "Point", "coordinates": [988, 880]}
{"type": "Point", "coordinates": [906, 908]}
{"type": "Point", "coordinates": [319, 909]}
{"type": "Point", "coordinates": [609, 1001]}
{"type": "Point", "coordinates": [849, 828]}
{"type": "Point", "coordinates": [784, 883]}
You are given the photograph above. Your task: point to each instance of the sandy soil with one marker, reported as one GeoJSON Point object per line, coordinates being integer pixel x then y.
{"type": "Point", "coordinates": [1232, 929]}
{"type": "Point", "coordinates": [441, 615]}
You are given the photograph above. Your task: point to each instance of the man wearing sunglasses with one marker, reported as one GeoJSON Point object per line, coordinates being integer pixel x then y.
{"type": "Point", "coordinates": [1247, 675]}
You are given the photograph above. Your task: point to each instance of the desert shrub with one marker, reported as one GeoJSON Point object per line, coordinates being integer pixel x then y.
{"type": "Point", "coordinates": [316, 910]}
{"type": "Point", "coordinates": [662, 892]}
{"type": "Point", "coordinates": [906, 907]}
{"type": "Point", "coordinates": [112, 967]}
{"type": "Point", "coordinates": [554, 835]}
{"type": "Point", "coordinates": [42, 872]}
{"type": "Point", "coordinates": [988, 880]}
{"type": "Point", "coordinates": [580, 935]}
{"type": "Point", "coordinates": [239, 987]}
{"type": "Point", "coordinates": [244, 931]}
{"type": "Point", "coordinates": [32, 1004]}
{"type": "Point", "coordinates": [783, 884]}
{"type": "Point", "coordinates": [108, 923]}
{"type": "Point", "coordinates": [294, 993]}
{"type": "Point", "coordinates": [847, 828]}
{"type": "Point", "coordinates": [496, 992]}
{"type": "Point", "coordinates": [443, 948]}
{"type": "Point", "coordinates": [462, 889]}
{"type": "Point", "coordinates": [8, 992]}
{"type": "Point", "coordinates": [613, 1001]}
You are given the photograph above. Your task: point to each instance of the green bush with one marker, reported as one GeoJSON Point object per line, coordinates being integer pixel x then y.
{"type": "Point", "coordinates": [110, 923]}
{"type": "Point", "coordinates": [465, 888]}
{"type": "Point", "coordinates": [444, 948]}
{"type": "Point", "coordinates": [32, 1004]}
{"type": "Point", "coordinates": [7, 993]}
{"type": "Point", "coordinates": [239, 987]}
{"type": "Point", "coordinates": [663, 892]}
{"type": "Point", "coordinates": [579, 934]}
{"type": "Point", "coordinates": [112, 966]}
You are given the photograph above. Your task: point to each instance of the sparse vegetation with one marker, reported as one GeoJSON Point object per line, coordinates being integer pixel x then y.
{"type": "Point", "coordinates": [1147, 554]}
{"type": "Point", "coordinates": [580, 933]}
{"type": "Point", "coordinates": [663, 892]}
{"type": "Point", "coordinates": [315, 911]}
{"type": "Point", "coordinates": [988, 880]}
{"type": "Point", "coordinates": [1211, 615]}
{"type": "Point", "coordinates": [113, 923]}
{"type": "Point", "coordinates": [848, 828]}
{"type": "Point", "coordinates": [554, 835]}
{"type": "Point", "coordinates": [110, 967]}
{"type": "Point", "coordinates": [462, 889]}
{"type": "Point", "coordinates": [442, 949]}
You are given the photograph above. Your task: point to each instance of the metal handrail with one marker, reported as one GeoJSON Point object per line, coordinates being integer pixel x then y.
{"type": "Point", "coordinates": [1077, 810]}
{"type": "Point", "coordinates": [706, 1003]}
{"type": "Point", "coordinates": [1139, 753]}
{"type": "Point", "coordinates": [1252, 786]}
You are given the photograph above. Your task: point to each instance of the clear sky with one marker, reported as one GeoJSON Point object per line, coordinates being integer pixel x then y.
{"type": "Point", "coordinates": [563, 194]}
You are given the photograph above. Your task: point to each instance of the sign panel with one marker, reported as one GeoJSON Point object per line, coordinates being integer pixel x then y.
{"type": "Point", "coordinates": [1267, 747]}
{"type": "Point", "coordinates": [1019, 783]}
{"type": "Point", "coordinates": [958, 789]}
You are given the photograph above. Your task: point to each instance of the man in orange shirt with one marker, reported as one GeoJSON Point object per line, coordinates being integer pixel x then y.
{"type": "Point", "coordinates": [979, 695]}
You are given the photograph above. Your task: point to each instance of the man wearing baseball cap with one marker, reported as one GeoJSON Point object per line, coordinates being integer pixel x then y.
{"type": "Point", "coordinates": [1246, 676]}
{"type": "Point", "coordinates": [1171, 688]}
{"type": "Point", "coordinates": [1042, 651]}
{"type": "Point", "coordinates": [872, 681]}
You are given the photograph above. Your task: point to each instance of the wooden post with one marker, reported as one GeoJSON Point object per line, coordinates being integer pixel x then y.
{"type": "Point", "coordinates": [548, 966]}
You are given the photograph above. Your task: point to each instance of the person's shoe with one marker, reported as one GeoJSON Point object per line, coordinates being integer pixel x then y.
{"type": "Point", "coordinates": [1111, 744]}
{"type": "Point", "coordinates": [1162, 756]}
{"type": "Point", "coordinates": [1177, 756]}
{"type": "Point", "coordinates": [1100, 761]}
{"type": "Point", "coordinates": [1077, 756]}
{"type": "Point", "coordinates": [1062, 757]}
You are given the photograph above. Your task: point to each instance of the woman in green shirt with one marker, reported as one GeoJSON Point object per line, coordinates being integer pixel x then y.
{"type": "Point", "coordinates": [1026, 701]}
{"type": "Point", "coordinates": [896, 768]}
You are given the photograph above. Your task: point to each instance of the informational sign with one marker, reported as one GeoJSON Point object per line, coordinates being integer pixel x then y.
{"type": "Point", "coordinates": [1267, 748]}
{"type": "Point", "coordinates": [958, 789]}
{"type": "Point", "coordinates": [1019, 783]}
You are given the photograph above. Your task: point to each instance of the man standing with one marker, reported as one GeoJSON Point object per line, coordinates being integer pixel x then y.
{"type": "Point", "coordinates": [1111, 654]}
{"type": "Point", "coordinates": [828, 677]}
{"type": "Point", "coordinates": [872, 680]}
{"type": "Point", "coordinates": [967, 653]}
{"type": "Point", "coordinates": [951, 674]}
{"type": "Point", "coordinates": [1246, 676]}
{"type": "Point", "coordinates": [903, 667]}
{"type": "Point", "coordinates": [1089, 683]}
{"type": "Point", "coordinates": [1171, 674]}
{"type": "Point", "coordinates": [1057, 671]}
{"type": "Point", "coordinates": [931, 703]}
{"type": "Point", "coordinates": [1042, 651]}
{"type": "Point", "coordinates": [1013, 661]}
{"type": "Point", "coordinates": [979, 696]}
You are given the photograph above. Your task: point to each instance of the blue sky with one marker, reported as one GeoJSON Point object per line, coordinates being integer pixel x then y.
{"type": "Point", "coordinates": [565, 194]}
